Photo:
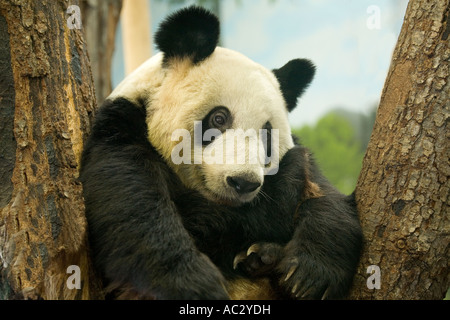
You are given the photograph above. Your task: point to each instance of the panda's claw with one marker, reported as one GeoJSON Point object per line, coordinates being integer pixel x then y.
{"type": "Point", "coordinates": [240, 257]}
{"type": "Point", "coordinates": [254, 248]}
{"type": "Point", "coordinates": [294, 289]}
{"type": "Point", "coordinates": [304, 293]}
{"type": "Point", "coordinates": [325, 294]}
{"type": "Point", "coordinates": [290, 273]}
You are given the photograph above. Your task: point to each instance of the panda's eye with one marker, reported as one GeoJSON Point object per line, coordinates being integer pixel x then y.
{"type": "Point", "coordinates": [219, 118]}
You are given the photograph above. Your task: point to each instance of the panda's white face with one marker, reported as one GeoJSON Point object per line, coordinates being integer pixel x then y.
{"type": "Point", "coordinates": [194, 90]}
{"type": "Point", "coordinates": [225, 92]}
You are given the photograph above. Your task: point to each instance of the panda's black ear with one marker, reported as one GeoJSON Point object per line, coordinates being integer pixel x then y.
{"type": "Point", "coordinates": [192, 33]}
{"type": "Point", "coordinates": [294, 77]}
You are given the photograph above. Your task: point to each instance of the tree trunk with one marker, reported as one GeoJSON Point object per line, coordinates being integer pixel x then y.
{"type": "Point", "coordinates": [47, 100]}
{"type": "Point", "coordinates": [100, 18]}
{"type": "Point", "coordinates": [137, 40]}
{"type": "Point", "coordinates": [403, 189]}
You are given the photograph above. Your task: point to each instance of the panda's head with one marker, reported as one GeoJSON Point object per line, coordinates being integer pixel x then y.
{"type": "Point", "coordinates": [219, 119]}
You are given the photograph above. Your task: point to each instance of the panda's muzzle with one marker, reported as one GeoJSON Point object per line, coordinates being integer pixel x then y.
{"type": "Point", "coordinates": [241, 185]}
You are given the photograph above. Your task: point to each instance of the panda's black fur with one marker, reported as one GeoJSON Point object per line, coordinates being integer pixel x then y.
{"type": "Point", "coordinates": [198, 42]}
{"type": "Point", "coordinates": [153, 238]}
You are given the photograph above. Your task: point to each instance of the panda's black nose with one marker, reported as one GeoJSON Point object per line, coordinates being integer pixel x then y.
{"type": "Point", "coordinates": [241, 185]}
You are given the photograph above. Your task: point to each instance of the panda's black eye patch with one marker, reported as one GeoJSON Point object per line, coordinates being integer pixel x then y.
{"type": "Point", "coordinates": [218, 118]}
{"type": "Point", "coordinates": [267, 141]}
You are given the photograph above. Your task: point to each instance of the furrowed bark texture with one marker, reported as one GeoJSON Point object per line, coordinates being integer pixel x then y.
{"type": "Point", "coordinates": [403, 188]}
{"type": "Point", "coordinates": [47, 98]}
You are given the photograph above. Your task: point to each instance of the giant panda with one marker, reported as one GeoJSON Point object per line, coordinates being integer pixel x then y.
{"type": "Point", "coordinates": [166, 222]}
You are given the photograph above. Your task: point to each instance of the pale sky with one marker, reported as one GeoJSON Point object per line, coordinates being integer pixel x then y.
{"type": "Point", "coordinates": [350, 42]}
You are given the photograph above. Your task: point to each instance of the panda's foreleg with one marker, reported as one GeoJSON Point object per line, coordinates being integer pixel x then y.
{"type": "Point", "coordinates": [321, 259]}
{"type": "Point", "coordinates": [138, 241]}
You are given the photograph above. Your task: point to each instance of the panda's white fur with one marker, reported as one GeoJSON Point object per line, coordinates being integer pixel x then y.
{"type": "Point", "coordinates": [181, 93]}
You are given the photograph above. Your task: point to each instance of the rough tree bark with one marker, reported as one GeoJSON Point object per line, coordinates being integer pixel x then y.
{"type": "Point", "coordinates": [100, 18]}
{"type": "Point", "coordinates": [403, 189]}
{"type": "Point", "coordinates": [47, 100]}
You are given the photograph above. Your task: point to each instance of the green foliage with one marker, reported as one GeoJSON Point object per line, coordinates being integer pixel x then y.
{"type": "Point", "coordinates": [336, 149]}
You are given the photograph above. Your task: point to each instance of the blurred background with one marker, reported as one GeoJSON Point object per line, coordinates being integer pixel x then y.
{"type": "Point", "coordinates": [350, 42]}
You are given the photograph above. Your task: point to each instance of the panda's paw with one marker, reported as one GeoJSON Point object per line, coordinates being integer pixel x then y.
{"type": "Point", "coordinates": [259, 260]}
{"type": "Point", "coordinates": [303, 276]}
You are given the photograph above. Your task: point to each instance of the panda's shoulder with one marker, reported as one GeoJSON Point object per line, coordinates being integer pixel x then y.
{"type": "Point", "coordinates": [120, 120]}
